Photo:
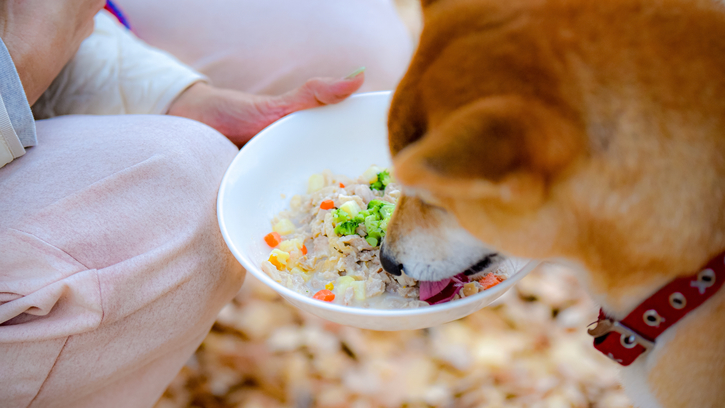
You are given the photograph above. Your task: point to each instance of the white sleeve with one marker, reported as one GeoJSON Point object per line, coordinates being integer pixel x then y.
{"type": "Point", "coordinates": [10, 146]}
{"type": "Point", "coordinates": [17, 127]}
{"type": "Point", "coordinates": [114, 73]}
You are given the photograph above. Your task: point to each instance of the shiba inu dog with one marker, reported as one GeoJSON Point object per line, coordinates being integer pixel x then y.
{"type": "Point", "coordinates": [585, 132]}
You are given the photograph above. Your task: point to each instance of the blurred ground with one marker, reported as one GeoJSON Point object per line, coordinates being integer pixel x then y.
{"type": "Point", "coordinates": [528, 350]}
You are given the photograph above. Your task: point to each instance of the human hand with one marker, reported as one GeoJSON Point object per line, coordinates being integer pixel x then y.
{"type": "Point", "coordinates": [239, 115]}
{"type": "Point", "coordinates": [42, 36]}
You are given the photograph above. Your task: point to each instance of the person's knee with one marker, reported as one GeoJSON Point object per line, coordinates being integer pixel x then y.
{"type": "Point", "coordinates": [188, 146]}
{"type": "Point", "coordinates": [144, 180]}
{"type": "Point", "coordinates": [104, 145]}
{"type": "Point", "coordinates": [186, 150]}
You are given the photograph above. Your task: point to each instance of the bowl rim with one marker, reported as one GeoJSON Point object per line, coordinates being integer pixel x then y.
{"type": "Point", "coordinates": [285, 292]}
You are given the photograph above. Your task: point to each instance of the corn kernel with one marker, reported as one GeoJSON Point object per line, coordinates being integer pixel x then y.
{"type": "Point", "coordinates": [330, 286]}
{"type": "Point", "coordinates": [284, 227]}
{"type": "Point", "coordinates": [276, 263]}
{"type": "Point", "coordinates": [279, 259]}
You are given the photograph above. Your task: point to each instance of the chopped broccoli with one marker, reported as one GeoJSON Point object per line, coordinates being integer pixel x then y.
{"type": "Point", "coordinates": [384, 177]}
{"type": "Point", "coordinates": [346, 228]}
{"type": "Point", "coordinates": [371, 222]}
{"type": "Point", "coordinates": [386, 211]}
{"type": "Point", "coordinates": [375, 205]}
{"type": "Point", "coordinates": [383, 208]}
{"type": "Point", "coordinates": [340, 216]}
{"type": "Point", "coordinates": [384, 225]}
{"type": "Point", "coordinates": [375, 218]}
{"type": "Point", "coordinates": [382, 181]}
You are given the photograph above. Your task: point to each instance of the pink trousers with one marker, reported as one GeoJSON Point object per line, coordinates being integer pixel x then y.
{"type": "Point", "coordinates": [112, 266]}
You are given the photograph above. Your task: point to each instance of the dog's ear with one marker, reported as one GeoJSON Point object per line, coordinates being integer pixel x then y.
{"type": "Point", "coordinates": [502, 148]}
{"type": "Point", "coordinates": [406, 121]}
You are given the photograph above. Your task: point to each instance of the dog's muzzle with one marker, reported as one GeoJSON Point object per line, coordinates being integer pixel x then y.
{"type": "Point", "coordinates": [393, 267]}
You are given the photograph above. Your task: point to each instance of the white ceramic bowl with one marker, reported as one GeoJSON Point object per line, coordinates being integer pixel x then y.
{"type": "Point", "coordinates": [277, 163]}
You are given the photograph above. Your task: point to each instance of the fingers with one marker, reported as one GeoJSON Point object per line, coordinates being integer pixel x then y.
{"type": "Point", "coordinates": [320, 91]}
{"type": "Point", "coordinates": [315, 92]}
{"type": "Point", "coordinates": [239, 116]}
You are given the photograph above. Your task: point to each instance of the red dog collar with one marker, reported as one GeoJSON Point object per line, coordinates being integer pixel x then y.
{"type": "Point", "coordinates": [625, 340]}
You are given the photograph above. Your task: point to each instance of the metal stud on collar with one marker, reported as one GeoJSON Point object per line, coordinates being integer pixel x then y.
{"type": "Point", "coordinates": [628, 337]}
{"type": "Point", "coordinates": [705, 279]}
{"type": "Point", "coordinates": [628, 340]}
{"type": "Point", "coordinates": [652, 318]}
{"type": "Point", "coordinates": [678, 301]}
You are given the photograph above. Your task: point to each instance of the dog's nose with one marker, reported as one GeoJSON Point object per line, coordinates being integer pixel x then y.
{"type": "Point", "coordinates": [389, 263]}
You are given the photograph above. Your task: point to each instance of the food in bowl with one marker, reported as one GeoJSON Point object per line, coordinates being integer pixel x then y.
{"type": "Point", "coordinates": [327, 245]}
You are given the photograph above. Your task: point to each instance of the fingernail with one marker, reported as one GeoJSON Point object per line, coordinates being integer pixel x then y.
{"type": "Point", "coordinates": [355, 73]}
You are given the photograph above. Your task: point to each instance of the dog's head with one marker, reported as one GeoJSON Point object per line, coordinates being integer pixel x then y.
{"type": "Point", "coordinates": [542, 129]}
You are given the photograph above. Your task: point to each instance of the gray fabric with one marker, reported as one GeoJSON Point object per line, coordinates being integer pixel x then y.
{"type": "Point", "coordinates": [15, 100]}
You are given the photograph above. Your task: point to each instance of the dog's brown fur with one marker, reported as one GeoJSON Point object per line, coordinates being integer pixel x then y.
{"type": "Point", "coordinates": [589, 131]}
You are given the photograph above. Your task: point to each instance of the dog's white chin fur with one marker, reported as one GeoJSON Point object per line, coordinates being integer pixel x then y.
{"type": "Point", "coordinates": [436, 255]}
